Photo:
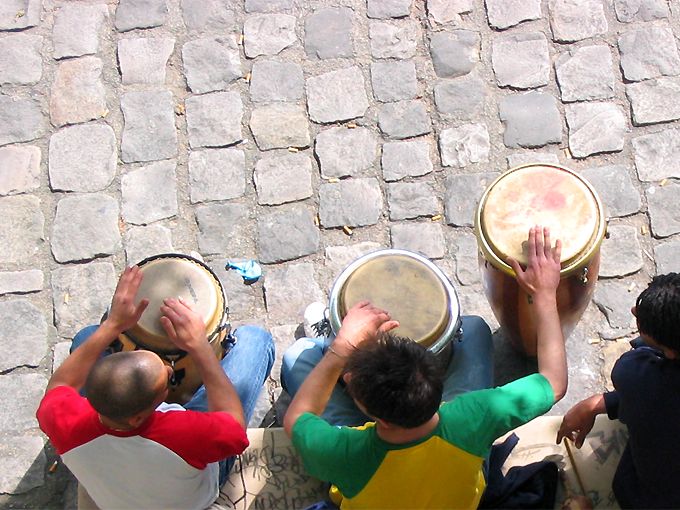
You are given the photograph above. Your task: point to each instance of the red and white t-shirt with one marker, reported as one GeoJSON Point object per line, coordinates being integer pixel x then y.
{"type": "Point", "coordinates": [168, 462]}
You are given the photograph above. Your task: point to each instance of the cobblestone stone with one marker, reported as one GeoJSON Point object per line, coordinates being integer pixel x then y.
{"type": "Point", "coordinates": [20, 120]}
{"type": "Point", "coordinates": [521, 60]}
{"type": "Point", "coordinates": [352, 202]}
{"type": "Point", "coordinates": [78, 92]}
{"type": "Point", "coordinates": [615, 187]}
{"type": "Point", "coordinates": [20, 393]}
{"type": "Point", "coordinates": [287, 233]}
{"type": "Point", "coordinates": [149, 131]}
{"type": "Point", "coordinates": [657, 155]}
{"type": "Point", "coordinates": [217, 174]}
{"type": "Point", "coordinates": [20, 60]}
{"type": "Point", "coordinates": [142, 60]}
{"type": "Point", "coordinates": [214, 120]}
{"type": "Point", "coordinates": [664, 209]}
{"type": "Point", "coordinates": [19, 169]}
{"type": "Point", "coordinates": [132, 14]}
{"type": "Point", "coordinates": [19, 14]}
{"type": "Point", "coordinates": [404, 119]}
{"type": "Point", "coordinates": [85, 227]}
{"type": "Point", "coordinates": [640, 10]}
{"type": "Point", "coordinates": [82, 158]}
{"type": "Point", "coordinates": [425, 238]}
{"type": "Point", "coordinates": [338, 258]}
{"type": "Point", "coordinates": [22, 235]}
{"type": "Point", "coordinates": [328, 33]}
{"type": "Point", "coordinates": [461, 196]}
{"type": "Point", "coordinates": [143, 242]}
{"type": "Point", "coordinates": [461, 98]}
{"type": "Point", "coordinates": [389, 8]}
{"type": "Point", "coordinates": [525, 158]}
{"type": "Point", "coordinates": [289, 290]}
{"type": "Point", "coordinates": [654, 101]}
{"type": "Point", "coordinates": [454, 53]}
{"type": "Point", "coordinates": [408, 200]}
{"type": "Point", "coordinates": [22, 463]}
{"type": "Point", "coordinates": [390, 40]}
{"type": "Point", "coordinates": [276, 81]}
{"type": "Point", "coordinates": [614, 300]}
{"type": "Point", "coordinates": [211, 63]}
{"type": "Point", "coordinates": [464, 145]}
{"type": "Point", "coordinates": [463, 248]}
{"type": "Point", "coordinates": [585, 73]}
{"type": "Point", "coordinates": [77, 29]}
{"type": "Point", "coordinates": [394, 80]}
{"type": "Point", "coordinates": [268, 5]}
{"type": "Point", "coordinates": [507, 13]}
{"type": "Point", "coordinates": [268, 34]}
{"type": "Point", "coordinates": [405, 159]}
{"type": "Point", "coordinates": [574, 20]}
{"type": "Point", "coordinates": [666, 256]}
{"type": "Point", "coordinates": [61, 352]}
{"type": "Point", "coordinates": [345, 152]}
{"type": "Point", "coordinates": [448, 11]}
{"type": "Point", "coordinates": [157, 180]}
{"type": "Point", "coordinates": [337, 95]}
{"type": "Point", "coordinates": [208, 15]}
{"type": "Point", "coordinates": [283, 178]}
{"type": "Point", "coordinates": [649, 52]}
{"type": "Point", "coordinates": [531, 120]}
{"type": "Point", "coordinates": [620, 252]}
{"type": "Point", "coordinates": [217, 224]}
{"type": "Point", "coordinates": [21, 282]}
{"type": "Point", "coordinates": [278, 126]}
{"type": "Point", "coordinates": [22, 324]}
{"type": "Point", "coordinates": [595, 128]}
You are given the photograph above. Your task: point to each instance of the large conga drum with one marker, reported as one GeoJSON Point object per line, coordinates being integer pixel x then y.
{"type": "Point", "coordinates": [555, 197]}
{"type": "Point", "coordinates": [411, 288]}
{"type": "Point", "coordinates": [178, 276]}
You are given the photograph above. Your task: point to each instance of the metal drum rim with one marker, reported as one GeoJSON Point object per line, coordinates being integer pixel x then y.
{"type": "Point", "coordinates": [454, 318]}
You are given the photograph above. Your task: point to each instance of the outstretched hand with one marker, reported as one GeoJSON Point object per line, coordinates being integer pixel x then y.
{"type": "Point", "coordinates": [124, 313]}
{"type": "Point", "coordinates": [542, 274]}
{"type": "Point", "coordinates": [184, 327]}
{"type": "Point", "coordinates": [362, 323]}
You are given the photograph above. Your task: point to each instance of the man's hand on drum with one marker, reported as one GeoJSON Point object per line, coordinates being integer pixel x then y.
{"type": "Point", "coordinates": [542, 275]}
{"type": "Point", "coordinates": [363, 323]}
{"type": "Point", "coordinates": [124, 313]}
{"type": "Point", "coordinates": [184, 327]}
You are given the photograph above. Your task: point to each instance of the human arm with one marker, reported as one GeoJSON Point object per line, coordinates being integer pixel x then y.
{"type": "Point", "coordinates": [579, 420]}
{"type": "Point", "coordinates": [362, 324]}
{"type": "Point", "coordinates": [186, 330]}
{"type": "Point", "coordinates": [123, 315]}
{"type": "Point", "coordinates": [540, 281]}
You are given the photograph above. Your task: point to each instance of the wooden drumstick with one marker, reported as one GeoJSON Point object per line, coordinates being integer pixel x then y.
{"type": "Point", "coordinates": [573, 465]}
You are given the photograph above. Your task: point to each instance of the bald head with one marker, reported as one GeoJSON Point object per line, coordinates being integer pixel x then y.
{"type": "Point", "coordinates": [125, 384]}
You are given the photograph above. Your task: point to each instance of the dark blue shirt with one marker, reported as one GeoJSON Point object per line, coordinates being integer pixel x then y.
{"type": "Point", "coordinates": [647, 400]}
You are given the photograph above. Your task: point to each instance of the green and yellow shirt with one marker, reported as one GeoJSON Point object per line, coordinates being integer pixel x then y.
{"type": "Point", "coordinates": [441, 470]}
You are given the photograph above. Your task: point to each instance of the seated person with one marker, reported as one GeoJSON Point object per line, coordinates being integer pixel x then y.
{"type": "Point", "coordinates": [126, 446]}
{"type": "Point", "coordinates": [646, 398]}
{"type": "Point", "coordinates": [417, 453]}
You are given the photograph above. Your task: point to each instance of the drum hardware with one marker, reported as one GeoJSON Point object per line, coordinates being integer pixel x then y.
{"type": "Point", "coordinates": [583, 277]}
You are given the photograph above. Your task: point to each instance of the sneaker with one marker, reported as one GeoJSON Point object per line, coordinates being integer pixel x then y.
{"type": "Point", "coordinates": [314, 319]}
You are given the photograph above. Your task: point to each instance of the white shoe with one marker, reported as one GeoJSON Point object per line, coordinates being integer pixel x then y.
{"type": "Point", "coordinates": [315, 314]}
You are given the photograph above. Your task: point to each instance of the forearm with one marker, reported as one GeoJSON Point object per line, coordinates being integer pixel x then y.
{"type": "Point", "coordinates": [550, 349]}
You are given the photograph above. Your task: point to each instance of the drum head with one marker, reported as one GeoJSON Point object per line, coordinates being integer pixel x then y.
{"type": "Point", "coordinates": [545, 195]}
{"type": "Point", "coordinates": [407, 288]}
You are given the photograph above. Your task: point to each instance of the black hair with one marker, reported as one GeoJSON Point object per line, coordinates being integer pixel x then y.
{"type": "Point", "coordinates": [397, 380]}
{"type": "Point", "coordinates": [658, 310]}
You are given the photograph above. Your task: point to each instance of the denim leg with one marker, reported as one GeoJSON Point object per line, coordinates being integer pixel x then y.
{"type": "Point", "coordinates": [82, 336]}
{"type": "Point", "coordinates": [298, 361]}
{"type": "Point", "coordinates": [471, 366]}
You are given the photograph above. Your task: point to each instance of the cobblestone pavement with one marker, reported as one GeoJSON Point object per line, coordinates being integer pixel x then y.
{"type": "Point", "coordinates": [302, 134]}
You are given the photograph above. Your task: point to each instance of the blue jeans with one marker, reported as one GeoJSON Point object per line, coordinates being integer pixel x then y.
{"type": "Point", "coordinates": [471, 368]}
{"type": "Point", "coordinates": [247, 364]}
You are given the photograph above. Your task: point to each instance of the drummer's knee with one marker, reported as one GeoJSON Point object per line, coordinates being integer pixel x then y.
{"type": "Point", "coordinates": [475, 326]}
{"type": "Point", "coordinates": [257, 338]}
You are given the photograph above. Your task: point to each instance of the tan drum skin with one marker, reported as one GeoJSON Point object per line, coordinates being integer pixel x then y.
{"type": "Point", "coordinates": [552, 196]}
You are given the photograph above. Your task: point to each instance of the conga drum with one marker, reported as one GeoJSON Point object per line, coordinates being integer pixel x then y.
{"type": "Point", "coordinates": [554, 197]}
{"type": "Point", "coordinates": [178, 276]}
{"type": "Point", "coordinates": [411, 288]}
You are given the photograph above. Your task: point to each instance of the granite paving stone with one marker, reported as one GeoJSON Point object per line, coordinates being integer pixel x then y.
{"type": "Point", "coordinates": [208, 15]}
{"type": "Point", "coordinates": [268, 34]}
{"type": "Point", "coordinates": [525, 158]}
{"type": "Point", "coordinates": [446, 12]}
{"type": "Point", "coordinates": [20, 393]}
{"type": "Point", "coordinates": [508, 13]}
{"type": "Point", "coordinates": [23, 463]}
{"type": "Point", "coordinates": [214, 120]}
{"type": "Point", "coordinates": [614, 300]}
{"type": "Point", "coordinates": [146, 241]}
{"type": "Point", "coordinates": [408, 200]}
{"type": "Point", "coordinates": [426, 238]}
{"type": "Point", "coordinates": [343, 152]}
{"type": "Point", "coordinates": [289, 289]}
{"type": "Point", "coordinates": [460, 98]}
{"type": "Point", "coordinates": [620, 253]}
{"type": "Point", "coordinates": [78, 92]}
{"type": "Point", "coordinates": [521, 61]}
{"type": "Point", "coordinates": [461, 196]}
{"type": "Point", "coordinates": [280, 125]}
{"type": "Point", "coordinates": [276, 81]}
{"type": "Point", "coordinates": [211, 63]}
{"type": "Point", "coordinates": [648, 52]}
{"type": "Point", "coordinates": [77, 29]}
{"type": "Point", "coordinates": [530, 120]}
{"type": "Point", "coordinates": [282, 178]}
{"type": "Point", "coordinates": [22, 235]}
{"type": "Point", "coordinates": [218, 224]}
{"type": "Point", "coordinates": [394, 80]}
{"type": "Point", "coordinates": [585, 73]}
{"type": "Point", "coordinates": [328, 33]}
{"type": "Point", "coordinates": [657, 155]}
{"type": "Point", "coordinates": [337, 258]}
{"type": "Point", "coordinates": [19, 169]}
{"type": "Point", "coordinates": [9, 14]}
{"type": "Point", "coordinates": [388, 8]}
{"type": "Point", "coordinates": [268, 5]}
{"type": "Point", "coordinates": [404, 119]}
{"type": "Point", "coordinates": [24, 325]}
{"type": "Point", "coordinates": [82, 158]}
{"type": "Point", "coordinates": [21, 282]}
{"type": "Point", "coordinates": [654, 101]}
{"type": "Point", "coordinates": [217, 174]}
{"type": "Point", "coordinates": [393, 39]}
{"type": "Point", "coordinates": [666, 257]}
{"type": "Point", "coordinates": [574, 20]}
{"type": "Point", "coordinates": [463, 248]}
{"type": "Point", "coordinates": [337, 95]}
{"type": "Point", "coordinates": [149, 133]}
{"type": "Point", "coordinates": [351, 202]}
{"type": "Point", "coordinates": [157, 180]}
{"type": "Point", "coordinates": [20, 60]}
{"type": "Point", "coordinates": [615, 188]}
{"type": "Point", "coordinates": [132, 14]}
{"type": "Point", "coordinates": [640, 10]}
{"type": "Point", "coordinates": [20, 120]}
{"type": "Point", "coordinates": [454, 53]}
{"type": "Point", "coordinates": [287, 233]}
{"type": "Point", "coordinates": [61, 352]}
{"type": "Point", "coordinates": [405, 159]}
{"type": "Point", "coordinates": [85, 226]}
{"type": "Point", "coordinates": [664, 209]}
{"type": "Point", "coordinates": [464, 145]}
{"type": "Point", "coordinates": [81, 294]}
{"type": "Point", "coordinates": [143, 60]}
{"type": "Point", "coordinates": [595, 128]}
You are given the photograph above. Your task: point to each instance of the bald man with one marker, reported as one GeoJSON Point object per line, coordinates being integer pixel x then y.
{"type": "Point", "coordinates": [124, 444]}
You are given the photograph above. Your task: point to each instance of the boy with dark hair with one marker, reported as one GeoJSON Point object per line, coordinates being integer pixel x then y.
{"type": "Point", "coordinates": [646, 398]}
